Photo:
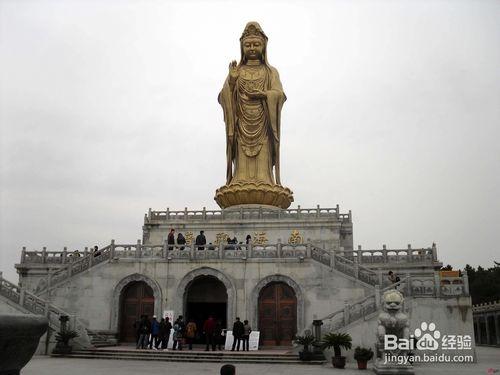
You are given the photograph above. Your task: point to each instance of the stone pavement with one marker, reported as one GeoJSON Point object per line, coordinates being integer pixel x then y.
{"type": "Point", "coordinates": [488, 358]}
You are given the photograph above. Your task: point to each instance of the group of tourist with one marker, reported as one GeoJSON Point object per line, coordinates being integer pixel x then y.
{"type": "Point", "coordinates": [201, 241]}
{"type": "Point", "coordinates": [154, 334]}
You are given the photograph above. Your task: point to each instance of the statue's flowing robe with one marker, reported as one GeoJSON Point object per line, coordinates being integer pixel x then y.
{"type": "Point", "coordinates": [252, 125]}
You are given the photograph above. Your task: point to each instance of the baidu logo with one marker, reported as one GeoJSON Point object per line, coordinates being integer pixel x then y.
{"type": "Point", "coordinates": [427, 336]}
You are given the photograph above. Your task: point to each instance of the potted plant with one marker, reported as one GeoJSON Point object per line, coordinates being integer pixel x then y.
{"type": "Point", "coordinates": [337, 341]}
{"type": "Point", "coordinates": [306, 340]}
{"type": "Point", "coordinates": [362, 355]}
{"type": "Point", "coordinates": [62, 341]}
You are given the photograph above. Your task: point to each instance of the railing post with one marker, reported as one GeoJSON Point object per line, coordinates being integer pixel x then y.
{"type": "Point", "coordinates": [150, 214]}
{"type": "Point", "coordinates": [250, 250]}
{"type": "Point", "coordinates": [380, 277]}
{"type": "Point", "coordinates": [22, 295]}
{"type": "Point", "coordinates": [68, 267]}
{"type": "Point", "coordinates": [337, 211]}
{"type": "Point", "coordinates": [168, 213]}
{"type": "Point", "coordinates": [317, 323]}
{"type": "Point", "coordinates": [64, 255]}
{"type": "Point", "coordinates": [138, 250]}
{"type": "Point", "coordinates": [434, 252]}
{"type": "Point", "coordinates": [408, 284]}
{"type": "Point", "coordinates": [437, 283]}
{"type": "Point", "coordinates": [278, 248]}
{"type": "Point", "coordinates": [192, 250]}
{"type": "Point", "coordinates": [85, 251]}
{"type": "Point", "coordinates": [204, 215]}
{"type": "Point", "coordinates": [44, 255]}
{"type": "Point", "coordinates": [346, 313]}
{"type": "Point", "coordinates": [384, 253]}
{"type": "Point", "coordinates": [23, 255]}
{"type": "Point", "coordinates": [165, 248]}
{"type": "Point", "coordinates": [465, 279]}
{"type": "Point", "coordinates": [220, 249]}
{"type": "Point", "coordinates": [298, 211]}
{"type": "Point", "coordinates": [377, 296]}
{"type": "Point", "coordinates": [91, 257]}
{"type": "Point", "coordinates": [317, 210]}
{"type": "Point", "coordinates": [112, 250]}
{"type": "Point", "coordinates": [185, 213]}
{"type": "Point", "coordinates": [360, 255]}
{"type": "Point", "coordinates": [356, 270]}
{"type": "Point", "coordinates": [308, 249]}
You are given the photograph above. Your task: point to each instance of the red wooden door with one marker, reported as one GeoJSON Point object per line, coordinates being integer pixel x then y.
{"type": "Point", "coordinates": [137, 300]}
{"type": "Point", "coordinates": [277, 314]}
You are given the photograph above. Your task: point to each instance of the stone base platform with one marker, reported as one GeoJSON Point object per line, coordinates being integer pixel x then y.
{"type": "Point", "coordinates": [324, 227]}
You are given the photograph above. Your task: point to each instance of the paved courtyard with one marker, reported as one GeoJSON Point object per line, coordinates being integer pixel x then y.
{"type": "Point", "coordinates": [489, 358]}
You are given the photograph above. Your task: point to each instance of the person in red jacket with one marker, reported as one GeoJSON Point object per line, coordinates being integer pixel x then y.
{"type": "Point", "coordinates": [209, 330]}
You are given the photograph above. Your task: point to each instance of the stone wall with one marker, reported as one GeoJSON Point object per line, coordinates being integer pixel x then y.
{"type": "Point", "coordinates": [95, 295]}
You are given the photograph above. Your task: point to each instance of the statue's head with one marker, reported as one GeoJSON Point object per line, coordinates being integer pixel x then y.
{"type": "Point", "coordinates": [392, 301]}
{"type": "Point", "coordinates": [253, 43]}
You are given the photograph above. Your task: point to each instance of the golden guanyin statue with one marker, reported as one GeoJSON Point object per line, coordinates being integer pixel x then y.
{"type": "Point", "coordinates": [252, 98]}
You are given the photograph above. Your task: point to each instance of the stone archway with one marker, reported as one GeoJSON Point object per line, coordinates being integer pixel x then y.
{"type": "Point", "coordinates": [184, 284]}
{"type": "Point", "coordinates": [254, 306]}
{"type": "Point", "coordinates": [118, 291]}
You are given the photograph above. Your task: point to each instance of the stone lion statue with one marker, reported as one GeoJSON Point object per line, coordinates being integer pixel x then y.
{"type": "Point", "coordinates": [392, 321]}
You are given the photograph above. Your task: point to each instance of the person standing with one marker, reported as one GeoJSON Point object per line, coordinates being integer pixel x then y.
{"type": "Point", "coordinates": [178, 333]}
{"type": "Point", "coordinates": [155, 331]}
{"type": "Point", "coordinates": [144, 331]}
{"type": "Point", "coordinates": [246, 335]}
{"type": "Point", "coordinates": [200, 240]}
{"type": "Point", "coordinates": [190, 333]}
{"type": "Point", "coordinates": [181, 240]}
{"type": "Point", "coordinates": [218, 338]}
{"type": "Point", "coordinates": [209, 331]}
{"type": "Point", "coordinates": [166, 337]}
{"type": "Point", "coordinates": [171, 238]}
{"type": "Point", "coordinates": [238, 330]}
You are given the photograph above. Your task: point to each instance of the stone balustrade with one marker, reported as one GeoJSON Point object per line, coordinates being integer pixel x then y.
{"type": "Point", "coordinates": [36, 305]}
{"type": "Point", "coordinates": [392, 256]}
{"type": "Point", "coordinates": [411, 286]}
{"type": "Point", "coordinates": [246, 213]}
{"type": "Point", "coordinates": [487, 323]}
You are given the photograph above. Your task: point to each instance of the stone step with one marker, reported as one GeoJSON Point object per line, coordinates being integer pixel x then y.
{"type": "Point", "coordinates": [157, 356]}
{"type": "Point", "coordinates": [188, 353]}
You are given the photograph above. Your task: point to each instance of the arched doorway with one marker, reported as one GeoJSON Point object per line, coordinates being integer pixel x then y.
{"type": "Point", "coordinates": [137, 299]}
{"type": "Point", "coordinates": [205, 296]}
{"type": "Point", "coordinates": [277, 314]}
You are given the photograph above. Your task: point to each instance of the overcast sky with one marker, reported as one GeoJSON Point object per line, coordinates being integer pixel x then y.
{"type": "Point", "coordinates": [108, 108]}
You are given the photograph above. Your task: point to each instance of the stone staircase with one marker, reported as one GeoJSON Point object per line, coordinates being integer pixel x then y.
{"type": "Point", "coordinates": [28, 302]}
{"type": "Point", "coordinates": [263, 357]}
{"type": "Point", "coordinates": [361, 309]}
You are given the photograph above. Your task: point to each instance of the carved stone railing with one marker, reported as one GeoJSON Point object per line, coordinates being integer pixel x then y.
{"type": "Point", "coordinates": [169, 252]}
{"type": "Point", "coordinates": [38, 306]}
{"type": "Point", "coordinates": [393, 256]}
{"type": "Point", "coordinates": [411, 286]}
{"type": "Point", "coordinates": [486, 307]}
{"type": "Point", "coordinates": [247, 213]}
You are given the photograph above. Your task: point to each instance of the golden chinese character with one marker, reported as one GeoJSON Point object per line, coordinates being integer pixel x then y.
{"type": "Point", "coordinates": [295, 238]}
{"type": "Point", "coordinates": [189, 238]}
{"type": "Point", "coordinates": [221, 238]}
{"type": "Point", "coordinates": [260, 238]}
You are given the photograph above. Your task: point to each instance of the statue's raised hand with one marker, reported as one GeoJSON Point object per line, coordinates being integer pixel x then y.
{"type": "Point", "coordinates": [233, 71]}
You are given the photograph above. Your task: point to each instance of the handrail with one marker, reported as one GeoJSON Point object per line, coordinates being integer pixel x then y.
{"type": "Point", "coordinates": [37, 305]}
